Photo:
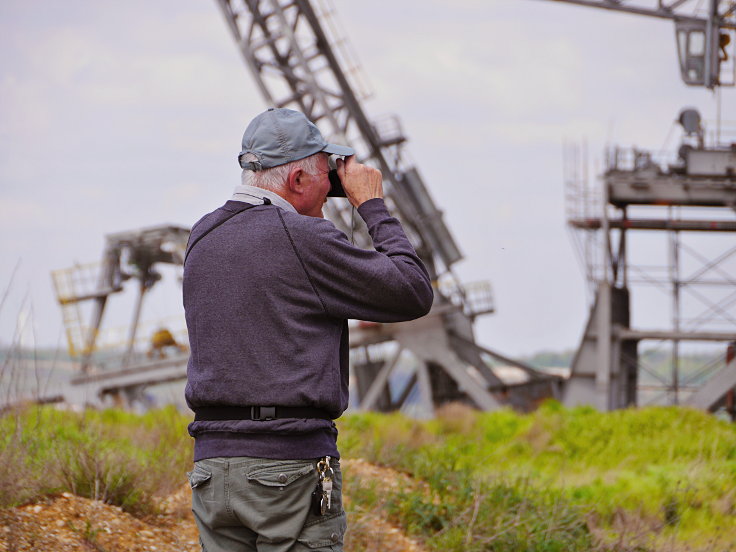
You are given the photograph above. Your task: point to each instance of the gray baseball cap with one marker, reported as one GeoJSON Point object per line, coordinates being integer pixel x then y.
{"type": "Point", "coordinates": [279, 136]}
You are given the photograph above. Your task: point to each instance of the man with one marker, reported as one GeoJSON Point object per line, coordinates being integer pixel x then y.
{"type": "Point", "coordinates": [268, 288]}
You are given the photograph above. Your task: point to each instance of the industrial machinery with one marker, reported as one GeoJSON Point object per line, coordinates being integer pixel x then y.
{"type": "Point", "coordinates": [127, 256]}
{"type": "Point", "coordinates": [693, 194]}
{"type": "Point", "coordinates": [298, 62]}
{"type": "Point", "coordinates": [706, 38]}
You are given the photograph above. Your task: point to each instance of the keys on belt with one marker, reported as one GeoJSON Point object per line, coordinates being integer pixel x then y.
{"type": "Point", "coordinates": [322, 495]}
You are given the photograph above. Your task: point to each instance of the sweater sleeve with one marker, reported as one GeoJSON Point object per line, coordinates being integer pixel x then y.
{"type": "Point", "coordinates": [389, 284]}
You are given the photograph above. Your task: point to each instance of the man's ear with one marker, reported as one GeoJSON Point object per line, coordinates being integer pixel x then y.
{"type": "Point", "coordinates": [295, 181]}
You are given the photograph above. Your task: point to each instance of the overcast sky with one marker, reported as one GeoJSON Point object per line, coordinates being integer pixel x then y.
{"type": "Point", "coordinates": [117, 115]}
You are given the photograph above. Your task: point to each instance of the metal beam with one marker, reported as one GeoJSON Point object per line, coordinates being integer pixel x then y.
{"type": "Point", "coordinates": [528, 368]}
{"type": "Point", "coordinates": [408, 388]}
{"type": "Point", "coordinates": [640, 335]}
{"type": "Point", "coordinates": [715, 388]}
{"type": "Point", "coordinates": [149, 373]}
{"type": "Point", "coordinates": [664, 12]}
{"type": "Point", "coordinates": [379, 384]}
{"type": "Point", "coordinates": [425, 389]}
{"type": "Point", "coordinates": [428, 340]}
{"type": "Point", "coordinates": [657, 224]}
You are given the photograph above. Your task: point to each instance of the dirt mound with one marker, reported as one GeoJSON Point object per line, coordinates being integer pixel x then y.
{"type": "Point", "coordinates": [71, 523]}
{"type": "Point", "coordinates": [369, 530]}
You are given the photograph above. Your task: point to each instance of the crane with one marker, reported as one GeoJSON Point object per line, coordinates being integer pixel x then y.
{"type": "Point", "coordinates": [607, 370]}
{"type": "Point", "coordinates": [703, 37]}
{"type": "Point", "coordinates": [297, 62]}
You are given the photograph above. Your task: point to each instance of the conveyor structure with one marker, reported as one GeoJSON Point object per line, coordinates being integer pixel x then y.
{"type": "Point", "coordinates": [694, 195]}
{"type": "Point", "coordinates": [297, 61]}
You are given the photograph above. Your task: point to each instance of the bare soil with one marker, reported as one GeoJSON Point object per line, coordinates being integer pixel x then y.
{"type": "Point", "coordinates": [69, 523]}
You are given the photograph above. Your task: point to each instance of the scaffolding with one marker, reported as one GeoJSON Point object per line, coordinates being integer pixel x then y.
{"type": "Point", "coordinates": [688, 200]}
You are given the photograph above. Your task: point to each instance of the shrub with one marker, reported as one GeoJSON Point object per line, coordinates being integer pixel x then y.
{"type": "Point", "coordinates": [115, 456]}
{"type": "Point", "coordinates": [635, 478]}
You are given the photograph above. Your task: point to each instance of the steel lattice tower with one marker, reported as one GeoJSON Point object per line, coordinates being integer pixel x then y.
{"type": "Point", "coordinates": [694, 193]}
{"type": "Point", "coordinates": [296, 64]}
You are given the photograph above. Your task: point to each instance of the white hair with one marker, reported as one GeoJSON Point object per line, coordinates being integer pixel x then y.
{"type": "Point", "coordinates": [274, 179]}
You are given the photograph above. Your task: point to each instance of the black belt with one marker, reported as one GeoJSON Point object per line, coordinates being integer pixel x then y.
{"type": "Point", "coordinates": [258, 413]}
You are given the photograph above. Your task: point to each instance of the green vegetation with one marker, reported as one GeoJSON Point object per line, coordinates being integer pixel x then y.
{"type": "Point", "coordinates": [111, 455]}
{"type": "Point", "coordinates": [555, 480]}
{"type": "Point", "coordinates": [559, 479]}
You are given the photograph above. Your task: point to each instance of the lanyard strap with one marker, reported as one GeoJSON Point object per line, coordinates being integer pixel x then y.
{"type": "Point", "coordinates": [190, 246]}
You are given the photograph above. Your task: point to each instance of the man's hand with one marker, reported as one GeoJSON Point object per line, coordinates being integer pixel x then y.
{"type": "Point", "coordinates": [360, 182]}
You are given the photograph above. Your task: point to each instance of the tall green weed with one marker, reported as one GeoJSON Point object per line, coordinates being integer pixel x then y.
{"type": "Point", "coordinates": [554, 480]}
{"type": "Point", "coordinates": [667, 472]}
{"type": "Point", "coordinates": [111, 455]}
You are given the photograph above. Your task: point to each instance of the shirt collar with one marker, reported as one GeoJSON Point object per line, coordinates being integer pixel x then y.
{"type": "Point", "coordinates": [255, 196]}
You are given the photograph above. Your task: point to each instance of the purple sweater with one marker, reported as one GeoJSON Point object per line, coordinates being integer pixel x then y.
{"type": "Point", "coordinates": [267, 296]}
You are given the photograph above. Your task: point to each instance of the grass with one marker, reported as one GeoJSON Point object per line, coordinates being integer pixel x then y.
{"type": "Point", "coordinates": [111, 455]}
{"type": "Point", "coordinates": [633, 477]}
{"type": "Point", "coordinates": [554, 480]}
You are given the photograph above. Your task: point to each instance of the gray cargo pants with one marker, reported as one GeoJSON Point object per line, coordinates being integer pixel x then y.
{"type": "Point", "coordinates": [248, 504]}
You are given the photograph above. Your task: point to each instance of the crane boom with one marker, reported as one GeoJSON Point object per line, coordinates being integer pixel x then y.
{"type": "Point", "coordinates": [677, 9]}
{"type": "Point", "coordinates": [703, 35]}
{"type": "Point", "coordinates": [295, 64]}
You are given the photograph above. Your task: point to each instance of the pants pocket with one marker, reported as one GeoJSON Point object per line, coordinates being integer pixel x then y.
{"type": "Point", "coordinates": [279, 474]}
{"type": "Point", "coordinates": [200, 480]}
{"type": "Point", "coordinates": [275, 497]}
{"type": "Point", "coordinates": [327, 534]}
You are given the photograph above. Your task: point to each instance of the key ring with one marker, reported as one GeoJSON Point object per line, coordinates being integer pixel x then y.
{"type": "Point", "coordinates": [323, 466]}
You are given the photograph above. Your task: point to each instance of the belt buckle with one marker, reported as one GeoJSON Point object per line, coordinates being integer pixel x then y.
{"type": "Point", "coordinates": [262, 413]}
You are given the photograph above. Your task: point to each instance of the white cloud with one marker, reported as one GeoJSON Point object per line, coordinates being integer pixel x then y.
{"type": "Point", "coordinates": [25, 112]}
{"type": "Point", "coordinates": [478, 65]}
